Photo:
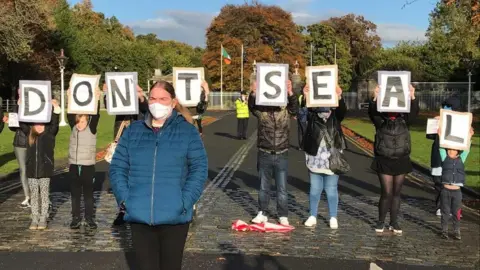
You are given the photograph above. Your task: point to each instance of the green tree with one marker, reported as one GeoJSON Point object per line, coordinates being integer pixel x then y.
{"type": "Point", "coordinates": [323, 38]}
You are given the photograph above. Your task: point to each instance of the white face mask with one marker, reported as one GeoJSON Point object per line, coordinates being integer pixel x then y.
{"type": "Point", "coordinates": [160, 111]}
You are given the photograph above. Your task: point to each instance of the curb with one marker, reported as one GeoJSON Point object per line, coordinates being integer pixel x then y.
{"type": "Point", "coordinates": [420, 168]}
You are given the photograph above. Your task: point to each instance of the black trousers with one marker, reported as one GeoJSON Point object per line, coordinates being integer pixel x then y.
{"type": "Point", "coordinates": [451, 201]}
{"type": "Point", "coordinates": [159, 247]}
{"type": "Point", "coordinates": [82, 179]}
{"type": "Point", "coordinates": [302, 128]}
{"type": "Point", "coordinates": [242, 127]}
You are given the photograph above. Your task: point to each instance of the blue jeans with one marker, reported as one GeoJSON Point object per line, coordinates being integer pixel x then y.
{"type": "Point", "coordinates": [273, 166]}
{"type": "Point", "coordinates": [318, 183]}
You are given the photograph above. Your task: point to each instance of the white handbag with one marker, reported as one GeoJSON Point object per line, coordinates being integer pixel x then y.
{"type": "Point", "coordinates": [113, 145]}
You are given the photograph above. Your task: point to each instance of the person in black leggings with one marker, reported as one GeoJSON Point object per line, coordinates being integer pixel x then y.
{"type": "Point", "coordinates": [392, 157]}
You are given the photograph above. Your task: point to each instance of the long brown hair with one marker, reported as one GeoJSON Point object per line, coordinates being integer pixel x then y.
{"type": "Point", "coordinates": [167, 86]}
{"type": "Point", "coordinates": [32, 136]}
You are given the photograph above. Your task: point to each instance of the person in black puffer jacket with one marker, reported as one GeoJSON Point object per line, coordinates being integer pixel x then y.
{"type": "Point", "coordinates": [392, 157]}
{"type": "Point", "coordinates": [20, 150]}
{"type": "Point", "coordinates": [452, 103]}
{"type": "Point", "coordinates": [273, 143]}
{"type": "Point", "coordinates": [40, 165]}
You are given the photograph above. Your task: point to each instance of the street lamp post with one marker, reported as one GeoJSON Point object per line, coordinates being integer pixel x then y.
{"type": "Point", "coordinates": [470, 64]}
{"type": "Point", "coordinates": [62, 59]}
{"type": "Point", "coordinates": [469, 90]}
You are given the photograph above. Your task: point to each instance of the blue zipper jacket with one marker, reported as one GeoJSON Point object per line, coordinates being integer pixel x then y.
{"type": "Point", "coordinates": [159, 176]}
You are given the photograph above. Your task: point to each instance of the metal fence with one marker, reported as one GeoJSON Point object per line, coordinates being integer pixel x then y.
{"type": "Point", "coordinates": [215, 100]}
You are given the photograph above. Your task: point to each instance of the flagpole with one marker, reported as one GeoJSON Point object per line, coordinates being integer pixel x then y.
{"type": "Point", "coordinates": [221, 76]}
{"type": "Point", "coordinates": [241, 72]}
{"type": "Point", "coordinates": [335, 53]}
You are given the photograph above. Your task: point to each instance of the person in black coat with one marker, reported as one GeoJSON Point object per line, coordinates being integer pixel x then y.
{"type": "Point", "coordinates": [40, 165]}
{"type": "Point", "coordinates": [392, 157]}
{"type": "Point", "coordinates": [452, 103]}
{"type": "Point", "coordinates": [20, 150]}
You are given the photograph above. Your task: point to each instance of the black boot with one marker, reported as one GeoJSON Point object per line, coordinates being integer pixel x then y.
{"type": "Point", "coordinates": [119, 219]}
{"type": "Point", "coordinates": [75, 224]}
{"type": "Point", "coordinates": [90, 224]}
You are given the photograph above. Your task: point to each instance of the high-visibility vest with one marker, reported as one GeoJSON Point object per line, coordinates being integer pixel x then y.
{"type": "Point", "coordinates": [242, 109]}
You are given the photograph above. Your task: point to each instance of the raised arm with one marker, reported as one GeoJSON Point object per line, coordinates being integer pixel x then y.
{"type": "Point", "coordinates": [341, 110]}
{"type": "Point", "coordinates": [94, 119]}
{"type": "Point", "coordinates": [119, 169]}
{"type": "Point", "coordinates": [411, 117]}
{"type": "Point", "coordinates": [52, 127]}
{"type": "Point", "coordinates": [197, 163]}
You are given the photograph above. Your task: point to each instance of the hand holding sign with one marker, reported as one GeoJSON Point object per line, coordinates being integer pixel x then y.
{"type": "Point", "coordinates": [5, 119]}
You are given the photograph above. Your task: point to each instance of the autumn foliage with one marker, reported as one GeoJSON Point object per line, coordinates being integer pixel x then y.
{"type": "Point", "coordinates": [268, 34]}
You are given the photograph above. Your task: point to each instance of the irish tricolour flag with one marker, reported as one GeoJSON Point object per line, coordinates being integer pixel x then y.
{"type": "Point", "coordinates": [226, 56]}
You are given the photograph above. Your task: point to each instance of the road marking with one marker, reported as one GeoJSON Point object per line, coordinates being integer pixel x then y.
{"type": "Point", "coordinates": [374, 266]}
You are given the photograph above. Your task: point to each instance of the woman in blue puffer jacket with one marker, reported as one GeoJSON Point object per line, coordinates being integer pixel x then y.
{"type": "Point", "coordinates": [157, 174]}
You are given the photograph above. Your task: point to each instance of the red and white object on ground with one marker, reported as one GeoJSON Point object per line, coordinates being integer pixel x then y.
{"type": "Point", "coordinates": [242, 226]}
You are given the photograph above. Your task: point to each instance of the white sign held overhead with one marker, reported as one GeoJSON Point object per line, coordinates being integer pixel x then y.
{"type": "Point", "coordinates": [455, 129]}
{"type": "Point", "coordinates": [122, 97]}
{"type": "Point", "coordinates": [13, 120]}
{"type": "Point", "coordinates": [188, 85]}
{"type": "Point", "coordinates": [272, 82]}
{"type": "Point", "coordinates": [394, 95]}
{"type": "Point", "coordinates": [322, 84]}
{"type": "Point", "coordinates": [83, 98]}
{"type": "Point", "coordinates": [36, 102]}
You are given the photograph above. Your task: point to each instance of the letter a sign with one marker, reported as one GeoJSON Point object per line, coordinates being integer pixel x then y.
{"type": "Point", "coordinates": [188, 85]}
{"type": "Point", "coordinates": [122, 96]}
{"type": "Point", "coordinates": [322, 82]}
{"type": "Point", "coordinates": [272, 85]}
{"type": "Point", "coordinates": [36, 105]}
{"type": "Point", "coordinates": [394, 95]}
{"type": "Point", "coordinates": [455, 129]}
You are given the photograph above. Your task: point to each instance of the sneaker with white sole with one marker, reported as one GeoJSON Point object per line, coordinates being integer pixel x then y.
{"type": "Point", "coordinates": [260, 218]}
{"type": "Point", "coordinates": [284, 221]}
{"type": "Point", "coordinates": [439, 213]}
{"type": "Point", "coordinates": [26, 203]}
{"type": "Point", "coordinates": [311, 221]}
{"type": "Point", "coordinates": [333, 223]}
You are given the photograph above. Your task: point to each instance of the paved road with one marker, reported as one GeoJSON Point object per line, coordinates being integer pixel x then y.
{"type": "Point", "coordinates": [231, 193]}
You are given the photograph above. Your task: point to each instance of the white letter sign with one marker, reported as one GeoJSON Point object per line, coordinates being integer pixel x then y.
{"type": "Point", "coordinates": [322, 82]}
{"type": "Point", "coordinates": [83, 97]}
{"type": "Point", "coordinates": [13, 120]}
{"type": "Point", "coordinates": [122, 97]}
{"type": "Point", "coordinates": [36, 105]}
{"type": "Point", "coordinates": [188, 85]}
{"type": "Point", "coordinates": [272, 85]}
{"type": "Point", "coordinates": [455, 129]}
{"type": "Point", "coordinates": [394, 95]}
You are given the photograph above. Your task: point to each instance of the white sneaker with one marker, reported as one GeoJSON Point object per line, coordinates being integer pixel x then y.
{"type": "Point", "coordinates": [333, 223]}
{"type": "Point", "coordinates": [260, 218]}
{"type": "Point", "coordinates": [284, 221]}
{"type": "Point", "coordinates": [26, 202]}
{"type": "Point", "coordinates": [311, 221]}
{"type": "Point", "coordinates": [439, 213]}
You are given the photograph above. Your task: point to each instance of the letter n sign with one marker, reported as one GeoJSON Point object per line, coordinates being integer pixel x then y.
{"type": "Point", "coordinates": [455, 129]}
{"type": "Point", "coordinates": [394, 95]}
{"type": "Point", "coordinates": [83, 98]}
{"type": "Point", "coordinates": [188, 85]}
{"type": "Point", "coordinates": [122, 97]}
{"type": "Point", "coordinates": [322, 82]}
{"type": "Point", "coordinates": [272, 85]}
{"type": "Point", "coordinates": [36, 106]}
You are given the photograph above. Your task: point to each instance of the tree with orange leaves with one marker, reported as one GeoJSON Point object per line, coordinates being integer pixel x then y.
{"type": "Point", "coordinates": [268, 34]}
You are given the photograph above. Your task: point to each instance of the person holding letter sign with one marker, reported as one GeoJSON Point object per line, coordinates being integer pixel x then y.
{"type": "Point", "coordinates": [272, 159]}
{"type": "Point", "coordinates": [82, 159]}
{"type": "Point", "coordinates": [452, 103]}
{"type": "Point", "coordinates": [20, 150]}
{"type": "Point", "coordinates": [453, 178]}
{"type": "Point", "coordinates": [40, 165]}
{"type": "Point", "coordinates": [323, 136]}
{"type": "Point", "coordinates": [392, 157]}
{"type": "Point", "coordinates": [158, 173]}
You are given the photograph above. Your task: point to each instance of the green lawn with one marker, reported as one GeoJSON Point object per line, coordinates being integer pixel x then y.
{"type": "Point", "coordinates": [8, 163]}
{"type": "Point", "coordinates": [421, 146]}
